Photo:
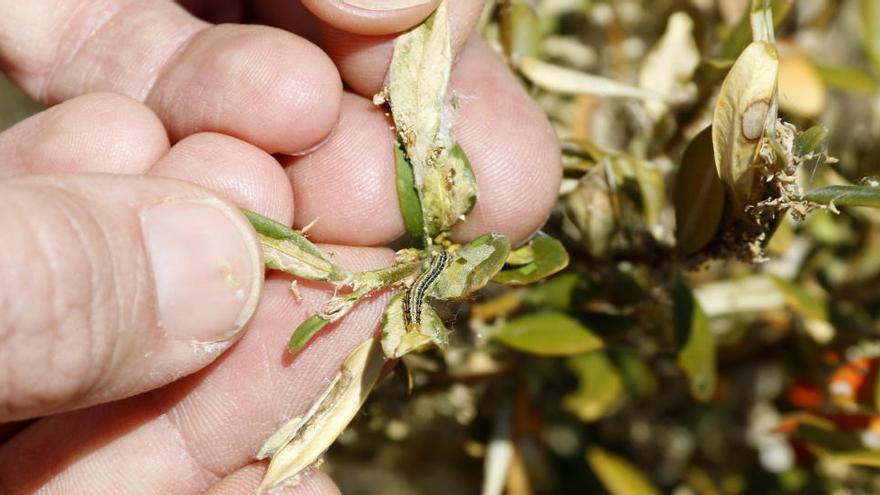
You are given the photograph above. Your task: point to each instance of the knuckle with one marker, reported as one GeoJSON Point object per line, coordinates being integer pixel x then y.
{"type": "Point", "coordinates": [57, 305]}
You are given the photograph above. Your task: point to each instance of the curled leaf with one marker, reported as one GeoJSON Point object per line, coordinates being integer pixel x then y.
{"type": "Point", "coordinates": [304, 333]}
{"type": "Point", "coordinates": [539, 259]}
{"type": "Point", "coordinates": [289, 251]}
{"type": "Point", "coordinates": [299, 444]}
{"type": "Point", "coordinates": [408, 196]}
{"type": "Point", "coordinates": [741, 114]}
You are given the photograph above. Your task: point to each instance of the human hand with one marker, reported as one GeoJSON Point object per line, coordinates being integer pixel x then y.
{"type": "Point", "coordinates": [227, 96]}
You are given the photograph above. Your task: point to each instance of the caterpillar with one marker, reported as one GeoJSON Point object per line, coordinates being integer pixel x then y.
{"type": "Point", "coordinates": [415, 295]}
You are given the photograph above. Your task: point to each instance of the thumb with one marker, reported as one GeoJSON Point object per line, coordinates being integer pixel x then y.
{"type": "Point", "coordinates": [114, 285]}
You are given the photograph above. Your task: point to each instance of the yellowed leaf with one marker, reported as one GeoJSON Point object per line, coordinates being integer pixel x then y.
{"type": "Point", "coordinates": [741, 115]}
{"type": "Point", "coordinates": [300, 443]}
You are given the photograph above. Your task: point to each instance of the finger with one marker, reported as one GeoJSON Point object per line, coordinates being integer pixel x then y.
{"type": "Point", "coordinates": [362, 59]}
{"type": "Point", "coordinates": [207, 425]}
{"type": "Point", "coordinates": [114, 285]}
{"type": "Point", "coordinates": [346, 189]}
{"type": "Point", "coordinates": [99, 132]}
{"type": "Point", "coordinates": [371, 17]}
{"type": "Point", "coordinates": [252, 82]}
{"type": "Point", "coordinates": [246, 480]}
{"type": "Point", "coordinates": [348, 184]}
{"type": "Point", "coordinates": [242, 173]}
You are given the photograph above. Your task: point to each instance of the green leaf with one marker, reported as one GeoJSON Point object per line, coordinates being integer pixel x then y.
{"type": "Point", "coordinates": [697, 344]}
{"type": "Point", "coordinates": [408, 196]}
{"type": "Point", "coordinates": [548, 334]}
{"type": "Point", "coordinates": [699, 196]}
{"type": "Point", "coordinates": [745, 105]}
{"type": "Point", "coordinates": [554, 293]}
{"type": "Point", "coordinates": [618, 475]}
{"type": "Point", "coordinates": [847, 78]}
{"type": "Point", "coordinates": [289, 251]}
{"type": "Point", "coordinates": [845, 196]}
{"type": "Point", "coordinates": [471, 267]}
{"type": "Point", "coordinates": [398, 340]}
{"type": "Point", "coordinates": [600, 387]}
{"type": "Point", "coordinates": [539, 259]}
{"type": "Point", "coordinates": [304, 333]}
{"type": "Point", "coordinates": [809, 140]}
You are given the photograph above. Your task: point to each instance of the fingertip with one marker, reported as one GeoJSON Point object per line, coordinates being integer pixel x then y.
{"type": "Point", "coordinates": [260, 84]}
{"type": "Point", "coordinates": [97, 132]}
{"type": "Point", "coordinates": [347, 187]}
{"type": "Point", "coordinates": [372, 17]}
{"type": "Point", "coordinates": [244, 174]}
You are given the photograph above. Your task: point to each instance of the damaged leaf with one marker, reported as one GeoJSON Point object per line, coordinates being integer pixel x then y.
{"type": "Point", "coordinates": [300, 444]}
{"type": "Point", "coordinates": [741, 114]}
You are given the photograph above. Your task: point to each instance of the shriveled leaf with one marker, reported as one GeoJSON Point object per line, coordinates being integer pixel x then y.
{"type": "Point", "coordinates": [398, 340]}
{"type": "Point", "coordinates": [697, 354]}
{"type": "Point", "coordinates": [600, 387]}
{"type": "Point", "coordinates": [670, 65]}
{"type": "Point", "coordinates": [323, 423]}
{"type": "Point", "coordinates": [542, 257]}
{"type": "Point", "coordinates": [279, 439]}
{"type": "Point", "coordinates": [845, 196]}
{"type": "Point", "coordinates": [548, 334]}
{"type": "Point", "coordinates": [809, 141]}
{"type": "Point", "coordinates": [567, 81]}
{"type": "Point", "coordinates": [304, 333]}
{"type": "Point", "coordinates": [699, 196]}
{"type": "Point", "coordinates": [741, 113]}
{"type": "Point", "coordinates": [417, 86]}
{"type": "Point", "coordinates": [471, 267]}
{"type": "Point", "coordinates": [408, 196]}
{"type": "Point", "coordinates": [618, 475]}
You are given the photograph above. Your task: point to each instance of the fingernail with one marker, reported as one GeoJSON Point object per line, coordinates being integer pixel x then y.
{"type": "Point", "coordinates": [385, 4]}
{"type": "Point", "coordinates": [207, 268]}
